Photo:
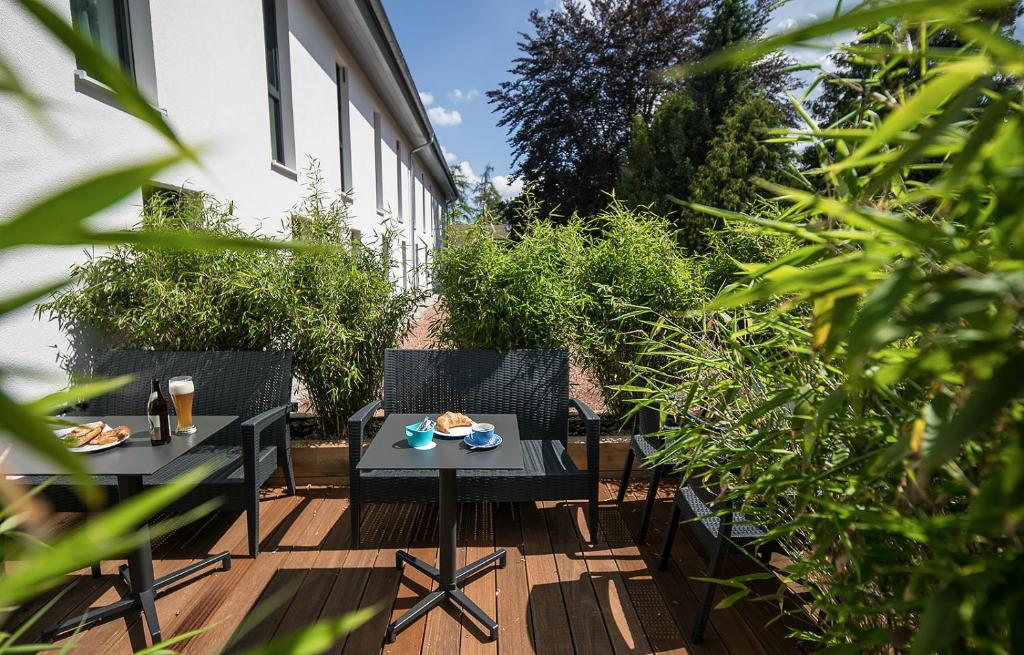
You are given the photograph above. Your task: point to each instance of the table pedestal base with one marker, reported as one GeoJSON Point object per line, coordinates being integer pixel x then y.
{"type": "Point", "coordinates": [138, 575]}
{"type": "Point", "coordinates": [452, 592]}
{"type": "Point", "coordinates": [140, 601]}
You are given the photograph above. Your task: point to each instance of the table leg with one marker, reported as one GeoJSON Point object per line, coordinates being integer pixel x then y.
{"type": "Point", "coordinates": [447, 576]}
{"type": "Point", "coordinates": [138, 575]}
{"type": "Point", "coordinates": [447, 529]}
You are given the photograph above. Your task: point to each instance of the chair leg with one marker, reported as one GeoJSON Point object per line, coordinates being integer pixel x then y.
{"type": "Point", "coordinates": [670, 537]}
{"type": "Point", "coordinates": [353, 510]}
{"type": "Point", "coordinates": [652, 495]}
{"type": "Point", "coordinates": [593, 520]}
{"type": "Point", "coordinates": [630, 455]}
{"type": "Point", "coordinates": [96, 570]}
{"type": "Point", "coordinates": [714, 571]}
{"type": "Point", "coordinates": [289, 471]}
{"type": "Point", "coordinates": [252, 515]}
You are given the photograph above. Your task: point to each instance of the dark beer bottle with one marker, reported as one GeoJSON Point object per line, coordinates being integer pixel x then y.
{"type": "Point", "coordinates": [156, 410]}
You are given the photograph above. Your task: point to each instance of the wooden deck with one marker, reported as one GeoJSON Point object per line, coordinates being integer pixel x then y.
{"type": "Point", "coordinates": [555, 595]}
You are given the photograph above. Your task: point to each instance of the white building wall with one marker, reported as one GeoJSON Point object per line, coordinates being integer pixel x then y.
{"type": "Point", "coordinates": [211, 80]}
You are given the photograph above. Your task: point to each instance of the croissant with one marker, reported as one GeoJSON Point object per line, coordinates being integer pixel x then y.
{"type": "Point", "coordinates": [449, 420]}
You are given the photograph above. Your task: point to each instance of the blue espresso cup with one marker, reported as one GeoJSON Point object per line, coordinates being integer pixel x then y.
{"type": "Point", "coordinates": [481, 434]}
{"type": "Point", "coordinates": [418, 438]}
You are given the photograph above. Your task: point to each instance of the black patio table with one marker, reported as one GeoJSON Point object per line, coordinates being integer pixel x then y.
{"type": "Point", "coordinates": [129, 462]}
{"type": "Point", "coordinates": [389, 451]}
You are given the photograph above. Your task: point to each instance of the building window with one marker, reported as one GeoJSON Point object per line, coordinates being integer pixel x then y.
{"type": "Point", "coordinates": [412, 194]}
{"type": "Point", "coordinates": [423, 202]}
{"type": "Point", "coordinates": [274, 80]}
{"type": "Point", "coordinates": [108, 24]}
{"type": "Point", "coordinates": [341, 78]}
{"type": "Point", "coordinates": [378, 165]}
{"type": "Point", "coordinates": [398, 176]}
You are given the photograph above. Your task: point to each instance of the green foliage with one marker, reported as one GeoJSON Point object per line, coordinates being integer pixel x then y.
{"type": "Point", "coordinates": [61, 218]}
{"type": "Point", "coordinates": [707, 141]}
{"type": "Point", "coordinates": [517, 295]}
{"type": "Point", "coordinates": [333, 304]}
{"type": "Point", "coordinates": [585, 70]}
{"type": "Point", "coordinates": [632, 266]}
{"type": "Point", "coordinates": [871, 377]}
{"type": "Point", "coordinates": [577, 286]}
{"type": "Point", "coordinates": [341, 306]}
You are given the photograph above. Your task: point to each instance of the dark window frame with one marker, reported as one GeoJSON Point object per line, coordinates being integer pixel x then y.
{"type": "Point", "coordinates": [123, 34]}
{"type": "Point", "coordinates": [273, 54]}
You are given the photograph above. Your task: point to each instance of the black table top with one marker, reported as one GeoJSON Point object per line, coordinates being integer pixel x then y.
{"type": "Point", "coordinates": [136, 456]}
{"type": "Point", "coordinates": [390, 451]}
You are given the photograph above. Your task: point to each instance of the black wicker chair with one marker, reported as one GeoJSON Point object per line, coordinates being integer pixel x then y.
{"type": "Point", "coordinates": [532, 384]}
{"type": "Point", "coordinates": [643, 444]}
{"type": "Point", "coordinates": [255, 386]}
{"type": "Point", "coordinates": [719, 529]}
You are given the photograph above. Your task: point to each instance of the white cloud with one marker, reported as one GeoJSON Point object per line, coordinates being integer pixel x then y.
{"type": "Point", "coordinates": [507, 187]}
{"type": "Point", "coordinates": [449, 156]}
{"type": "Point", "coordinates": [467, 172]}
{"type": "Point", "coordinates": [427, 98]}
{"type": "Point", "coordinates": [443, 116]}
{"type": "Point", "coordinates": [458, 95]}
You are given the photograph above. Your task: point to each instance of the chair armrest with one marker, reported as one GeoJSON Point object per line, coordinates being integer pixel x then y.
{"type": "Point", "coordinates": [593, 426]}
{"type": "Point", "coordinates": [254, 426]}
{"type": "Point", "coordinates": [356, 427]}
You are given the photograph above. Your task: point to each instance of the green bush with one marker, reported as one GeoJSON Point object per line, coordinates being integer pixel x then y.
{"type": "Point", "coordinates": [871, 378]}
{"type": "Point", "coordinates": [520, 294]}
{"type": "Point", "coordinates": [631, 268]}
{"type": "Point", "coordinates": [586, 287]}
{"type": "Point", "coordinates": [334, 306]}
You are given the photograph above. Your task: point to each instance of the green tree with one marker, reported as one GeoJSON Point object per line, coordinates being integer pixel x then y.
{"type": "Point", "coordinates": [738, 153]}
{"type": "Point", "coordinates": [676, 152]}
{"type": "Point", "coordinates": [485, 195]}
{"type": "Point", "coordinates": [582, 75]}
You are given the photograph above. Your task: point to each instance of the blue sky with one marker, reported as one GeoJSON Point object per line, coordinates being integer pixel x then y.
{"type": "Point", "coordinates": [459, 49]}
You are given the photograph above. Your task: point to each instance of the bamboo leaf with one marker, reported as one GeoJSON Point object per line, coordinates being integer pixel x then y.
{"type": "Point", "coordinates": [979, 411]}
{"type": "Point", "coordinates": [58, 218]}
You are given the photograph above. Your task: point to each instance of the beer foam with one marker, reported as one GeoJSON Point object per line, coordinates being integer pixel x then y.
{"type": "Point", "coordinates": [181, 387]}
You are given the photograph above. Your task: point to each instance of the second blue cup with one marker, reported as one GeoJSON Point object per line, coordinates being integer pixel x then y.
{"type": "Point", "coordinates": [482, 434]}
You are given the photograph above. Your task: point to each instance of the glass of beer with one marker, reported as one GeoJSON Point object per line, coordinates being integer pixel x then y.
{"type": "Point", "coordinates": [182, 390]}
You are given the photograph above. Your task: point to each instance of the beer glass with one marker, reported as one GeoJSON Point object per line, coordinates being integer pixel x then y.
{"type": "Point", "coordinates": [182, 390]}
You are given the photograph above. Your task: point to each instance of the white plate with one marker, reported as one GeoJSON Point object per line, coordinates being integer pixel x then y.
{"type": "Point", "coordinates": [459, 432]}
{"type": "Point", "coordinates": [91, 448]}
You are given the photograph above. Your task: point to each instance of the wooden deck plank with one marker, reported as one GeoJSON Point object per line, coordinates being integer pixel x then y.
{"type": "Point", "coordinates": [327, 562]}
{"type": "Point", "coordinates": [515, 627]}
{"type": "Point", "coordinates": [422, 545]}
{"type": "Point", "coordinates": [382, 585]}
{"type": "Point", "coordinates": [547, 608]}
{"type": "Point", "coordinates": [660, 627]}
{"type": "Point", "coordinates": [589, 633]}
{"type": "Point", "coordinates": [290, 564]}
{"type": "Point", "coordinates": [625, 629]}
{"type": "Point", "coordinates": [443, 629]}
{"type": "Point", "coordinates": [346, 593]}
{"type": "Point", "coordinates": [109, 588]}
{"type": "Point", "coordinates": [728, 623]}
{"type": "Point", "coordinates": [618, 601]}
{"type": "Point", "coordinates": [478, 530]}
{"type": "Point", "coordinates": [223, 601]}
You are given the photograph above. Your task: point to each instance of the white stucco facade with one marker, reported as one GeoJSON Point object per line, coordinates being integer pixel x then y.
{"type": "Point", "coordinates": [209, 75]}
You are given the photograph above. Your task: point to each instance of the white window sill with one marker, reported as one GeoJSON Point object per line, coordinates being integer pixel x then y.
{"type": "Point", "coordinates": [281, 169]}
{"type": "Point", "coordinates": [93, 87]}
{"type": "Point", "coordinates": [380, 212]}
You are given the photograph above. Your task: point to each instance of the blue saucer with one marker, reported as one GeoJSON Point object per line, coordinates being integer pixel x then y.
{"type": "Point", "coordinates": [493, 443]}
